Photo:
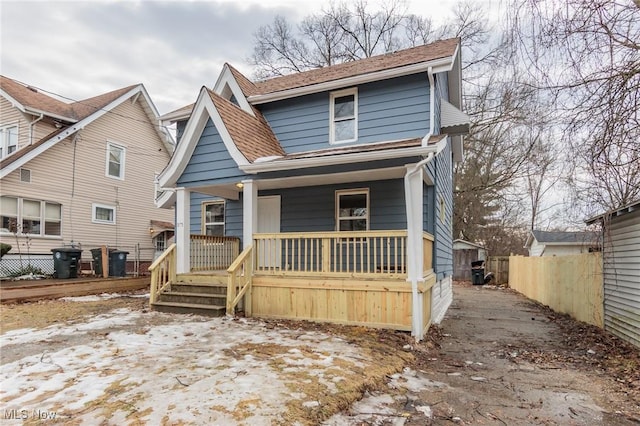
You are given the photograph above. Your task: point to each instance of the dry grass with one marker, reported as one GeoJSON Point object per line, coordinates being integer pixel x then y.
{"type": "Point", "coordinates": [338, 387]}
{"type": "Point", "coordinates": [47, 312]}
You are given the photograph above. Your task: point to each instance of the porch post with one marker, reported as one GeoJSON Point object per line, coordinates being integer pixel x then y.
{"type": "Point", "coordinates": [249, 211]}
{"type": "Point", "coordinates": [183, 225]}
{"type": "Point", "coordinates": [413, 188]}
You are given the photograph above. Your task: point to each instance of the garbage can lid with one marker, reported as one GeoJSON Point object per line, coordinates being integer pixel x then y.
{"type": "Point", "coordinates": [66, 250]}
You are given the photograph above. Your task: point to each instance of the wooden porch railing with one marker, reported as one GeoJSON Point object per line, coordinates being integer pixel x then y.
{"type": "Point", "coordinates": [239, 281]}
{"type": "Point", "coordinates": [163, 272]}
{"type": "Point", "coordinates": [427, 252]}
{"type": "Point", "coordinates": [209, 253]}
{"type": "Point", "coordinates": [368, 253]}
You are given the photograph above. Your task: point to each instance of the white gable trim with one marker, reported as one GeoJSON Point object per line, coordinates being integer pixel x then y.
{"type": "Point", "coordinates": [13, 102]}
{"type": "Point", "coordinates": [226, 78]}
{"type": "Point", "coordinates": [19, 162]}
{"type": "Point", "coordinates": [202, 111]}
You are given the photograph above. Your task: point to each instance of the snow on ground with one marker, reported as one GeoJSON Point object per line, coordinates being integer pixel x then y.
{"type": "Point", "coordinates": [184, 369]}
{"type": "Point", "coordinates": [99, 297]}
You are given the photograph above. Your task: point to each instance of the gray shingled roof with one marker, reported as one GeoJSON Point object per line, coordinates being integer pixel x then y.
{"type": "Point", "coordinates": [558, 237]}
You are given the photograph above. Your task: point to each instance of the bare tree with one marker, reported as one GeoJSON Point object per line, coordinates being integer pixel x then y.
{"type": "Point", "coordinates": [586, 56]}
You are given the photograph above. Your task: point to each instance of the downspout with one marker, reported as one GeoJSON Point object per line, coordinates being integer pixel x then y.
{"type": "Point", "coordinates": [31, 127]}
{"type": "Point", "coordinates": [412, 239]}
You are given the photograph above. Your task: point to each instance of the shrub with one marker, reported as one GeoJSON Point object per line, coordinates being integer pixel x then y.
{"type": "Point", "coordinates": [4, 249]}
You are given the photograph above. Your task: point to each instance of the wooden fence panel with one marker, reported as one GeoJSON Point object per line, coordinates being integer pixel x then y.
{"type": "Point", "coordinates": [567, 284]}
{"type": "Point", "coordinates": [499, 265]}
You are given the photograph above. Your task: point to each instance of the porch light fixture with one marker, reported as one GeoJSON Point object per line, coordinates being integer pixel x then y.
{"type": "Point", "coordinates": [240, 185]}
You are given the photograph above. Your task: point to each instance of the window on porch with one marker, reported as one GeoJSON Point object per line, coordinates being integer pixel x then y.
{"type": "Point", "coordinates": [352, 210]}
{"type": "Point", "coordinates": [213, 218]}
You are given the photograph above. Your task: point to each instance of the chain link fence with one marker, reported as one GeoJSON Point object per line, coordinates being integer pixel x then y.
{"type": "Point", "coordinates": [139, 258]}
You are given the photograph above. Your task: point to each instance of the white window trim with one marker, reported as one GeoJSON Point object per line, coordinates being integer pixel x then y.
{"type": "Point", "coordinates": [4, 143]}
{"type": "Point", "coordinates": [332, 127]}
{"type": "Point", "coordinates": [122, 160]}
{"type": "Point", "coordinates": [94, 206]}
{"type": "Point", "coordinates": [204, 223]}
{"type": "Point", "coordinates": [357, 191]}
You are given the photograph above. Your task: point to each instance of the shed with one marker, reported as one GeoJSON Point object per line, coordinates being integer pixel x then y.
{"type": "Point", "coordinates": [561, 243]}
{"type": "Point", "coordinates": [465, 252]}
{"type": "Point", "coordinates": [620, 230]}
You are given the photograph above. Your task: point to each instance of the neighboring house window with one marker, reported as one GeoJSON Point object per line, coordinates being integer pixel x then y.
{"type": "Point", "coordinates": [344, 113]}
{"type": "Point", "coordinates": [8, 140]}
{"type": "Point", "coordinates": [213, 218]}
{"type": "Point", "coordinates": [161, 242]}
{"type": "Point", "coordinates": [31, 217]}
{"type": "Point", "coordinates": [352, 210]}
{"type": "Point", "coordinates": [115, 160]}
{"type": "Point", "coordinates": [104, 214]}
{"type": "Point", "coordinates": [9, 214]}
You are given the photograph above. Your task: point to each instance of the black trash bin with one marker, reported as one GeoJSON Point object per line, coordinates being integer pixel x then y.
{"type": "Point", "coordinates": [118, 263]}
{"type": "Point", "coordinates": [96, 254]}
{"type": "Point", "coordinates": [477, 272]}
{"type": "Point", "coordinates": [65, 262]}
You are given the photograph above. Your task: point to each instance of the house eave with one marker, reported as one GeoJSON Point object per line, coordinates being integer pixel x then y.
{"type": "Point", "coordinates": [615, 212]}
{"type": "Point", "coordinates": [75, 127]}
{"type": "Point", "coordinates": [438, 65]}
{"type": "Point", "coordinates": [35, 111]}
{"type": "Point", "coordinates": [355, 157]}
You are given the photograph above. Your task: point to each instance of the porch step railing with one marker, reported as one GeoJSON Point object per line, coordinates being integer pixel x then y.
{"type": "Point", "coordinates": [210, 253]}
{"type": "Point", "coordinates": [163, 272]}
{"type": "Point", "coordinates": [368, 253]}
{"type": "Point", "coordinates": [240, 279]}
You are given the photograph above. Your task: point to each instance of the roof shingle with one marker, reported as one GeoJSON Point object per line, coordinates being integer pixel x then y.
{"type": "Point", "coordinates": [414, 55]}
{"type": "Point", "coordinates": [252, 135]}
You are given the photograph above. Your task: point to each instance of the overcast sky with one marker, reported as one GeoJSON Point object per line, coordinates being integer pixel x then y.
{"type": "Point", "coordinates": [80, 49]}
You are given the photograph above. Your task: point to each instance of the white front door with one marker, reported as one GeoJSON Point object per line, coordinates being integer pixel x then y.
{"type": "Point", "coordinates": [269, 252]}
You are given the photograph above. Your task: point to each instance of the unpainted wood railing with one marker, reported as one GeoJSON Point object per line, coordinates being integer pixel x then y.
{"type": "Point", "coordinates": [239, 281]}
{"type": "Point", "coordinates": [209, 253]}
{"type": "Point", "coordinates": [366, 253]}
{"type": "Point", "coordinates": [427, 252]}
{"type": "Point", "coordinates": [163, 272]}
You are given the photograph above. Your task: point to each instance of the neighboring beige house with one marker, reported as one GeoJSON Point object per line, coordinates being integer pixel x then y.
{"type": "Point", "coordinates": [81, 174]}
{"type": "Point", "coordinates": [557, 243]}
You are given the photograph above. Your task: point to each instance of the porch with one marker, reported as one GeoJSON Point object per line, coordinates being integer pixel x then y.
{"type": "Point", "coordinates": [356, 278]}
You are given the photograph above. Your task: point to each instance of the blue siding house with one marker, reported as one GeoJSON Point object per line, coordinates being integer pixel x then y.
{"type": "Point", "coordinates": [335, 185]}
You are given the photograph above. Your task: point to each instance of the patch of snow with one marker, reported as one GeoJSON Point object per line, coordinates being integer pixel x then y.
{"type": "Point", "coordinates": [198, 361]}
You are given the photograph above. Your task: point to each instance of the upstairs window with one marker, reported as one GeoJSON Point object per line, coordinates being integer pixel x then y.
{"type": "Point", "coordinates": [213, 218]}
{"type": "Point", "coordinates": [115, 161]}
{"type": "Point", "coordinates": [8, 140]}
{"type": "Point", "coordinates": [344, 113]}
{"type": "Point", "coordinates": [352, 210]}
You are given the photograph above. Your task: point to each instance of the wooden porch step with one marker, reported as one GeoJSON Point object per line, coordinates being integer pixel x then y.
{"type": "Point", "coordinates": [194, 298]}
{"type": "Point", "coordinates": [209, 278]}
{"type": "Point", "coordinates": [189, 308]}
{"type": "Point", "coordinates": [200, 288]}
